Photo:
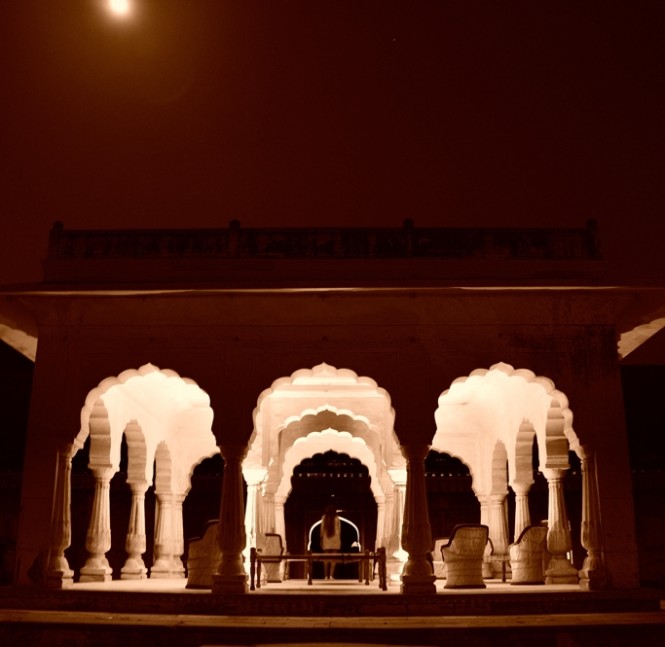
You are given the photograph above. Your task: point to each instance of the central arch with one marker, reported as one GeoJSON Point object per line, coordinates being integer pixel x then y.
{"type": "Point", "coordinates": [310, 412]}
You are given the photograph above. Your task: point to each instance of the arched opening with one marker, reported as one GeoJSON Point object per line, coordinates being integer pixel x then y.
{"type": "Point", "coordinates": [500, 421]}
{"type": "Point", "coordinates": [202, 503]}
{"type": "Point", "coordinates": [450, 496]}
{"type": "Point", "coordinates": [315, 411]}
{"type": "Point", "coordinates": [143, 427]}
{"type": "Point", "coordinates": [321, 479]}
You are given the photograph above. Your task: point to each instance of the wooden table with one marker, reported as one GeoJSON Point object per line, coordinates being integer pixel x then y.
{"type": "Point", "coordinates": [368, 559]}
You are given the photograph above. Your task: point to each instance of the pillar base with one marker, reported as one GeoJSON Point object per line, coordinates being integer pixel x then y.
{"type": "Point", "coordinates": [177, 568]}
{"type": "Point", "coordinates": [97, 570]}
{"type": "Point", "coordinates": [162, 569]}
{"type": "Point", "coordinates": [134, 575]}
{"type": "Point", "coordinates": [561, 571]}
{"type": "Point", "coordinates": [60, 580]}
{"type": "Point", "coordinates": [134, 569]}
{"type": "Point", "coordinates": [229, 584]}
{"type": "Point", "coordinates": [165, 575]}
{"type": "Point", "coordinates": [593, 579]}
{"type": "Point", "coordinates": [418, 585]}
{"type": "Point", "coordinates": [89, 576]}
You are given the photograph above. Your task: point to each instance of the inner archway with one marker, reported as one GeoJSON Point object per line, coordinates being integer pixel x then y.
{"type": "Point", "coordinates": [330, 477]}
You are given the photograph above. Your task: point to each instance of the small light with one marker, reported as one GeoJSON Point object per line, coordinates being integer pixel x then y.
{"type": "Point", "coordinates": [120, 8]}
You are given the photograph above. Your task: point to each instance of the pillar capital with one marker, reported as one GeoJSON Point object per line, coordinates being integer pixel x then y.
{"type": "Point", "coordinates": [103, 473]}
{"type": "Point", "coordinates": [233, 452]}
{"type": "Point", "coordinates": [521, 487]}
{"type": "Point", "coordinates": [497, 498]}
{"type": "Point", "coordinates": [554, 474]}
{"type": "Point", "coordinates": [138, 486]}
{"type": "Point", "coordinates": [414, 452]}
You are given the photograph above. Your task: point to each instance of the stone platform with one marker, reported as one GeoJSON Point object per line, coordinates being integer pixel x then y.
{"type": "Point", "coordinates": [327, 613]}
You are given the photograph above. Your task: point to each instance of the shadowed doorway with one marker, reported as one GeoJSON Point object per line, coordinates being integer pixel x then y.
{"type": "Point", "coordinates": [324, 478]}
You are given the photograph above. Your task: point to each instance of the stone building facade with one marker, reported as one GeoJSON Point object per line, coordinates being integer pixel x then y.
{"type": "Point", "coordinates": [156, 350]}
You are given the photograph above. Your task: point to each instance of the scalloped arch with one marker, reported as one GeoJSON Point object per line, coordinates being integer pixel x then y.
{"type": "Point", "coordinates": [122, 378]}
{"type": "Point", "coordinates": [559, 398]}
{"type": "Point", "coordinates": [329, 378]}
{"type": "Point", "coordinates": [325, 407]}
{"type": "Point", "coordinates": [319, 374]}
{"type": "Point", "coordinates": [546, 404]}
{"type": "Point", "coordinates": [177, 412]}
{"type": "Point", "coordinates": [328, 439]}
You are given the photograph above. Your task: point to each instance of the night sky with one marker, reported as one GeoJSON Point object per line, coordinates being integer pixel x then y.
{"type": "Point", "coordinates": [314, 112]}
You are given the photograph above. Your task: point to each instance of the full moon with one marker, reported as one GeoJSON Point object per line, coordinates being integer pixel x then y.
{"type": "Point", "coordinates": [120, 7]}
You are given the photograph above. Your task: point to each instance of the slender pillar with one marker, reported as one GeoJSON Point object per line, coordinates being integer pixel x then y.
{"type": "Point", "coordinates": [58, 573]}
{"type": "Point", "coordinates": [135, 543]}
{"type": "Point", "coordinates": [396, 556]}
{"type": "Point", "coordinates": [522, 514]}
{"type": "Point", "coordinates": [98, 538]}
{"type": "Point", "coordinates": [484, 501]}
{"type": "Point", "coordinates": [164, 547]}
{"type": "Point", "coordinates": [253, 521]}
{"type": "Point", "coordinates": [593, 575]}
{"type": "Point", "coordinates": [280, 524]}
{"type": "Point", "coordinates": [380, 521]}
{"type": "Point", "coordinates": [267, 510]}
{"type": "Point", "coordinates": [231, 577]}
{"type": "Point", "coordinates": [177, 567]}
{"type": "Point", "coordinates": [417, 576]}
{"type": "Point", "coordinates": [498, 528]}
{"type": "Point", "coordinates": [559, 543]}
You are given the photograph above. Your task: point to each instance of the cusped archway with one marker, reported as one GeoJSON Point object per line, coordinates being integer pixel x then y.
{"type": "Point", "coordinates": [314, 410]}
{"type": "Point", "coordinates": [166, 421]}
{"type": "Point", "coordinates": [491, 419]}
{"type": "Point", "coordinates": [496, 404]}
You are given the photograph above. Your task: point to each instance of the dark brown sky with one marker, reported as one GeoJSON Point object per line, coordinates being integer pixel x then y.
{"type": "Point", "coordinates": [314, 112]}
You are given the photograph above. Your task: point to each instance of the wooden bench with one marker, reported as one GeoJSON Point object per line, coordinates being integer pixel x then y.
{"type": "Point", "coordinates": [368, 561]}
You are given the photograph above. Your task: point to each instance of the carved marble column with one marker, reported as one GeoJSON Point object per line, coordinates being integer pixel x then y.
{"type": "Point", "coordinates": [58, 573]}
{"type": "Point", "coordinates": [280, 525]}
{"type": "Point", "coordinates": [253, 509]}
{"type": "Point", "coordinates": [135, 543]}
{"type": "Point", "coordinates": [380, 521]}
{"type": "Point", "coordinates": [396, 556]}
{"type": "Point", "coordinates": [484, 501]}
{"type": "Point", "coordinates": [417, 576]}
{"type": "Point", "coordinates": [231, 577]}
{"type": "Point", "coordinates": [98, 538]}
{"type": "Point", "coordinates": [593, 575]}
{"type": "Point", "coordinates": [522, 513]}
{"type": "Point", "coordinates": [559, 543]}
{"type": "Point", "coordinates": [177, 567]}
{"type": "Point", "coordinates": [164, 547]}
{"type": "Point", "coordinates": [267, 511]}
{"type": "Point", "coordinates": [498, 528]}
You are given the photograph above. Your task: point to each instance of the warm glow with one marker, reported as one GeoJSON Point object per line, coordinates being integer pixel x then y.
{"type": "Point", "coordinates": [120, 7]}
